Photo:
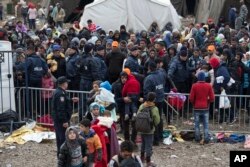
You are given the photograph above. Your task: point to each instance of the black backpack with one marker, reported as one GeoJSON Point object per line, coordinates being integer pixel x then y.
{"type": "Point", "coordinates": [144, 121]}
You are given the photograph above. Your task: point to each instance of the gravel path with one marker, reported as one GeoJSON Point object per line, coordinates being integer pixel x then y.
{"type": "Point", "coordinates": [187, 154]}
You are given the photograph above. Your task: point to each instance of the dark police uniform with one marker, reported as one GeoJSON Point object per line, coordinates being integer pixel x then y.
{"type": "Point", "coordinates": [61, 112]}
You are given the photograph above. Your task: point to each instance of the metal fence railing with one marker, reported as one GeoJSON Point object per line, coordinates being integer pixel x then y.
{"type": "Point", "coordinates": [175, 112]}
{"type": "Point", "coordinates": [40, 104]}
{"type": "Point", "coordinates": [235, 118]}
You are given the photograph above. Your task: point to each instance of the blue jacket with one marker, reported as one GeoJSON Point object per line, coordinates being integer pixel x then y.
{"type": "Point", "coordinates": [71, 69]}
{"type": "Point", "coordinates": [36, 68]}
{"type": "Point", "coordinates": [179, 71]}
{"type": "Point", "coordinates": [155, 82]}
{"type": "Point", "coordinates": [102, 68]}
{"type": "Point", "coordinates": [88, 68]}
{"type": "Point", "coordinates": [133, 64]}
{"type": "Point", "coordinates": [221, 71]}
{"type": "Point", "coordinates": [232, 15]}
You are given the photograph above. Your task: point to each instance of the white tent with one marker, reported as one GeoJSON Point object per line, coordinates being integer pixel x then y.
{"type": "Point", "coordinates": [134, 14]}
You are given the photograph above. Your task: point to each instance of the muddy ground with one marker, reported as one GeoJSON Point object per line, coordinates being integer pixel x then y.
{"type": "Point", "coordinates": [187, 154]}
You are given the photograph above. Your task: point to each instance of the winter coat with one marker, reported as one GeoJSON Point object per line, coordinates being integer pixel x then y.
{"type": "Point", "coordinates": [201, 95]}
{"type": "Point", "coordinates": [243, 12]}
{"type": "Point", "coordinates": [60, 15]}
{"type": "Point", "coordinates": [154, 114]}
{"type": "Point", "coordinates": [88, 68]}
{"type": "Point", "coordinates": [133, 64]}
{"type": "Point", "coordinates": [71, 68]}
{"type": "Point", "coordinates": [61, 106]}
{"type": "Point", "coordinates": [179, 71]}
{"type": "Point", "coordinates": [114, 62]}
{"type": "Point", "coordinates": [36, 68]}
{"type": "Point", "coordinates": [222, 70]}
{"type": "Point", "coordinates": [47, 83]}
{"type": "Point", "coordinates": [132, 86]}
{"type": "Point", "coordinates": [64, 159]}
{"type": "Point", "coordinates": [155, 82]}
{"type": "Point", "coordinates": [57, 65]}
{"type": "Point", "coordinates": [102, 68]}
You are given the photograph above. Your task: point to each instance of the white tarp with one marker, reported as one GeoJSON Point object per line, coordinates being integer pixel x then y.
{"type": "Point", "coordinates": [7, 99]}
{"type": "Point", "coordinates": [134, 14]}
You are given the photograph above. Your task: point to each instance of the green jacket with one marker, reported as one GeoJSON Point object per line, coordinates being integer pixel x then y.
{"type": "Point", "coordinates": [154, 113]}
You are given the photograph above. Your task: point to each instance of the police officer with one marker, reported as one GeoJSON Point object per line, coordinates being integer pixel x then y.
{"type": "Point", "coordinates": [88, 70]}
{"type": "Point", "coordinates": [61, 110]}
{"type": "Point", "coordinates": [155, 82]}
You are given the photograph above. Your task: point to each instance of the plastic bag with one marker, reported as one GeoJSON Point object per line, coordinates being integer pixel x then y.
{"type": "Point", "coordinates": [224, 100]}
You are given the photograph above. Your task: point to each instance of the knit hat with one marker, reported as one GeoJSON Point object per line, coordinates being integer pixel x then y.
{"type": "Point", "coordinates": [106, 85]}
{"type": "Point", "coordinates": [127, 71]}
{"type": "Point", "coordinates": [214, 62]}
{"type": "Point", "coordinates": [201, 76]}
{"type": "Point", "coordinates": [211, 48]}
{"type": "Point", "coordinates": [88, 47]}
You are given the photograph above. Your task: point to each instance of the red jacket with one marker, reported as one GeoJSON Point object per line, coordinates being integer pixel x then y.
{"type": "Point", "coordinates": [201, 95]}
{"type": "Point", "coordinates": [131, 86]}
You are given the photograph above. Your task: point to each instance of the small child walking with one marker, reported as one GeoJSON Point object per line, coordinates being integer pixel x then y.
{"type": "Point", "coordinates": [73, 151]}
{"type": "Point", "coordinates": [93, 142]}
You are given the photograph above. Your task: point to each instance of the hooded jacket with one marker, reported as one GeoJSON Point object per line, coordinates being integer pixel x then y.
{"type": "Point", "coordinates": [218, 72]}
{"type": "Point", "coordinates": [133, 64]}
{"type": "Point", "coordinates": [131, 86]}
{"type": "Point", "coordinates": [154, 114]}
{"type": "Point", "coordinates": [65, 155]}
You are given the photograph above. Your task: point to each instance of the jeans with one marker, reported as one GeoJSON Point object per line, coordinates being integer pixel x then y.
{"type": "Point", "coordinates": [60, 134]}
{"type": "Point", "coordinates": [147, 144]}
{"type": "Point", "coordinates": [131, 107]}
{"type": "Point", "coordinates": [204, 116]}
{"type": "Point", "coordinates": [32, 24]}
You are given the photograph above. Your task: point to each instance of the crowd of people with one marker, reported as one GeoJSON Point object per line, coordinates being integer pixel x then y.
{"type": "Point", "coordinates": [133, 70]}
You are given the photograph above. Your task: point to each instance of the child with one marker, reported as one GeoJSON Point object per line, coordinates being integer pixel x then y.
{"type": "Point", "coordinates": [126, 157]}
{"type": "Point", "coordinates": [47, 83]}
{"type": "Point", "coordinates": [200, 96]}
{"type": "Point", "coordinates": [73, 151]}
{"type": "Point", "coordinates": [147, 138]}
{"type": "Point", "coordinates": [93, 142]}
{"type": "Point", "coordinates": [131, 91]}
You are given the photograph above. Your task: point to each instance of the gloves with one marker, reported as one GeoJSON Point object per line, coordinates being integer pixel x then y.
{"type": "Point", "coordinates": [99, 154]}
{"type": "Point", "coordinates": [126, 117]}
{"type": "Point", "coordinates": [134, 116]}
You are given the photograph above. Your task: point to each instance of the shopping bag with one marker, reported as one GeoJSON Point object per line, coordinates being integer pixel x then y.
{"type": "Point", "coordinates": [224, 100]}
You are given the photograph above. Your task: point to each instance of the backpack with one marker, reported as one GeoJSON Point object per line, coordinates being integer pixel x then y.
{"type": "Point", "coordinates": [24, 11]}
{"type": "Point", "coordinates": [144, 121]}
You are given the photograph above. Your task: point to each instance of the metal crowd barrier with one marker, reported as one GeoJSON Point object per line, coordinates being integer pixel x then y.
{"type": "Point", "coordinates": [40, 104]}
{"type": "Point", "coordinates": [182, 115]}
